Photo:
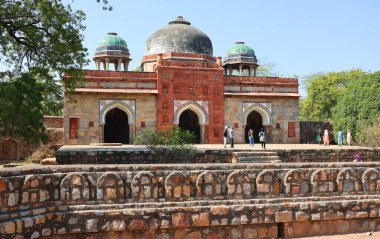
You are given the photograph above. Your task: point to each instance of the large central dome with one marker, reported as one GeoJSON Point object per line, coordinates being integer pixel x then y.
{"type": "Point", "coordinates": [178, 36]}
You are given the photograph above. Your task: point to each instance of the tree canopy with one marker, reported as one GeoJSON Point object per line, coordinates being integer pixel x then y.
{"type": "Point", "coordinates": [40, 41]}
{"type": "Point", "coordinates": [323, 92]}
{"type": "Point", "coordinates": [358, 105]}
{"type": "Point", "coordinates": [350, 99]}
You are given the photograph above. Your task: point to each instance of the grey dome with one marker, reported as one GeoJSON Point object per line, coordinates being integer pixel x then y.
{"type": "Point", "coordinates": [178, 36]}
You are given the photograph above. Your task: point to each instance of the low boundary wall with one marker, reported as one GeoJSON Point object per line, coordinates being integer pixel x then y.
{"type": "Point", "coordinates": [189, 200]}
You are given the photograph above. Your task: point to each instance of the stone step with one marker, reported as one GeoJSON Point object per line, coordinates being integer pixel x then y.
{"type": "Point", "coordinates": [259, 159]}
{"type": "Point", "coordinates": [254, 153]}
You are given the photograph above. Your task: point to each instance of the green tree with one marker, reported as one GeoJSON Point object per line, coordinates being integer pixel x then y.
{"type": "Point", "coordinates": [40, 41]}
{"type": "Point", "coordinates": [21, 108]}
{"type": "Point", "coordinates": [358, 105]}
{"type": "Point", "coordinates": [323, 92]}
{"type": "Point", "coordinates": [172, 142]}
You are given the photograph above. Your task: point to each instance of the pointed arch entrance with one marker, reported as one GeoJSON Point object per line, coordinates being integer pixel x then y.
{"type": "Point", "coordinates": [254, 122]}
{"type": "Point", "coordinates": [188, 120]}
{"type": "Point", "coordinates": [116, 127]}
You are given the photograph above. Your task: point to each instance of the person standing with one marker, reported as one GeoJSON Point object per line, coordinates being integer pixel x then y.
{"type": "Point", "coordinates": [262, 138]}
{"type": "Point", "coordinates": [319, 137]}
{"type": "Point", "coordinates": [340, 138]}
{"type": "Point", "coordinates": [225, 135]}
{"type": "Point", "coordinates": [231, 134]}
{"type": "Point", "coordinates": [326, 138]}
{"type": "Point", "coordinates": [348, 137]}
{"type": "Point", "coordinates": [250, 138]}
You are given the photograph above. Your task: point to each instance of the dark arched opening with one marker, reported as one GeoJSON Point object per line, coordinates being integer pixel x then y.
{"type": "Point", "coordinates": [254, 122]}
{"type": "Point", "coordinates": [116, 128]}
{"type": "Point", "coordinates": [9, 150]}
{"type": "Point", "coordinates": [188, 120]}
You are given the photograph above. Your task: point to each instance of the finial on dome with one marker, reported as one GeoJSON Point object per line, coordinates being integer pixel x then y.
{"type": "Point", "coordinates": [239, 42]}
{"type": "Point", "coordinates": [180, 20]}
{"type": "Point", "coordinates": [112, 33]}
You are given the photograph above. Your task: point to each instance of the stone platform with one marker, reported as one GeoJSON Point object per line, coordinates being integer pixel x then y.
{"type": "Point", "coordinates": [211, 153]}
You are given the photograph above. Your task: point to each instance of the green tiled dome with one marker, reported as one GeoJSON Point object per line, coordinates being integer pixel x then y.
{"type": "Point", "coordinates": [240, 48]}
{"type": "Point", "coordinates": [112, 43]}
{"type": "Point", "coordinates": [240, 53]}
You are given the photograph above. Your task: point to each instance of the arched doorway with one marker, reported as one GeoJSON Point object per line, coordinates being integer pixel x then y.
{"type": "Point", "coordinates": [254, 122]}
{"type": "Point", "coordinates": [116, 128]}
{"type": "Point", "coordinates": [188, 120]}
{"type": "Point", "coordinates": [9, 150]}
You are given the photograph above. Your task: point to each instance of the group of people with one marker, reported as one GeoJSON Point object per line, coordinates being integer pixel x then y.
{"type": "Point", "coordinates": [325, 138]}
{"type": "Point", "coordinates": [229, 134]}
{"type": "Point", "coordinates": [262, 138]}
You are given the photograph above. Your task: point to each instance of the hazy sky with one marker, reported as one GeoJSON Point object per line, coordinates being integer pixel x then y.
{"type": "Point", "coordinates": [301, 37]}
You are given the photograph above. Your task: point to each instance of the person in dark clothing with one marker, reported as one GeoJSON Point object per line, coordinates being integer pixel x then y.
{"type": "Point", "coordinates": [262, 138]}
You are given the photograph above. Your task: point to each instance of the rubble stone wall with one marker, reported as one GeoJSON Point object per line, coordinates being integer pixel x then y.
{"type": "Point", "coordinates": [141, 155]}
{"type": "Point", "coordinates": [189, 200]}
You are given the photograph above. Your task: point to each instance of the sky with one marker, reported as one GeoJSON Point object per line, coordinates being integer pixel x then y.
{"type": "Point", "coordinates": [300, 37]}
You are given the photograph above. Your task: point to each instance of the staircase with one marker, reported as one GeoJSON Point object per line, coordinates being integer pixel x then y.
{"type": "Point", "coordinates": [255, 157]}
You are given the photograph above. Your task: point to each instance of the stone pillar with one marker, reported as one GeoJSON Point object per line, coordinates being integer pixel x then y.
{"type": "Point", "coordinates": [132, 133]}
{"type": "Point", "coordinates": [104, 65]}
{"type": "Point", "coordinates": [243, 132]}
{"type": "Point", "coordinates": [107, 65]}
{"type": "Point", "coordinates": [126, 66]}
{"type": "Point", "coordinates": [219, 61]}
{"type": "Point", "coordinates": [202, 126]}
{"type": "Point", "coordinates": [97, 63]}
{"type": "Point", "coordinates": [101, 133]}
{"type": "Point", "coordinates": [240, 69]}
{"type": "Point", "coordinates": [251, 71]}
{"type": "Point", "coordinates": [229, 70]}
{"type": "Point", "coordinates": [119, 62]}
{"type": "Point", "coordinates": [159, 59]}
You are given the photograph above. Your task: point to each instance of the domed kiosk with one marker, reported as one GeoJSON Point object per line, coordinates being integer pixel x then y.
{"type": "Point", "coordinates": [240, 60]}
{"type": "Point", "coordinates": [181, 38]}
{"type": "Point", "coordinates": [112, 49]}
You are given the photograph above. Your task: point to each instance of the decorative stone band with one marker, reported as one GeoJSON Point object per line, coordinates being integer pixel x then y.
{"type": "Point", "coordinates": [42, 201]}
{"type": "Point", "coordinates": [128, 106]}
{"type": "Point", "coordinates": [264, 109]}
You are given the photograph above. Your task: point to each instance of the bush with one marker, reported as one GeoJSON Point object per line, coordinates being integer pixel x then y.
{"type": "Point", "coordinates": [168, 143]}
{"type": "Point", "coordinates": [42, 152]}
{"type": "Point", "coordinates": [370, 135]}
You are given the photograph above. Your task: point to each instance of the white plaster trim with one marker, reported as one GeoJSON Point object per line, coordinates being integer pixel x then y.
{"type": "Point", "coordinates": [196, 108]}
{"type": "Point", "coordinates": [120, 105]}
{"type": "Point", "coordinates": [265, 113]}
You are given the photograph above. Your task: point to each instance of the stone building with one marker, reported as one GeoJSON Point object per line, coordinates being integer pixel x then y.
{"type": "Point", "coordinates": [183, 84]}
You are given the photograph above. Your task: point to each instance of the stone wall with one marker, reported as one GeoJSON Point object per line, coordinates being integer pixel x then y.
{"type": "Point", "coordinates": [16, 149]}
{"type": "Point", "coordinates": [328, 155]}
{"type": "Point", "coordinates": [140, 155]}
{"type": "Point", "coordinates": [171, 201]}
{"type": "Point", "coordinates": [121, 155]}
{"type": "Point", "coordinates": [53, 121]}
